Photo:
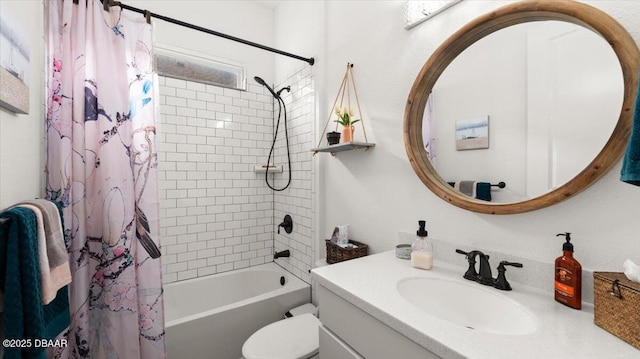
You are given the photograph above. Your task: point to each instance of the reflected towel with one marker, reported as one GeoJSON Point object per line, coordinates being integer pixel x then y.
{"type": "Point", "coordinates": [483, 191]}
{"type": "Point", "coordinates": [631, 164]}
{"type": "Point", "coordinates": [466, 187]}
{"type": "Point", "coordinates": [478, 190]}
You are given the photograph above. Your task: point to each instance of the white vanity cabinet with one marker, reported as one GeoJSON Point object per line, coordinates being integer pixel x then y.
{"type": "Point", "coordinates": [332, 347]}
{"type": "Point", "coordinates": [348, 332]}
{"type": "Point", "coordinates": [364, 315]}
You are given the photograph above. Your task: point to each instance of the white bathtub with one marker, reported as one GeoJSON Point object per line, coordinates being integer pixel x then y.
{"type": "Point", "coordinates": [211, 317]}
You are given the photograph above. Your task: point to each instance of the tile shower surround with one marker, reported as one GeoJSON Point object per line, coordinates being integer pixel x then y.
{"type": "Point", "coordinates": [216, 214]}
{"type": "Point", "coordinates": [296, 200]}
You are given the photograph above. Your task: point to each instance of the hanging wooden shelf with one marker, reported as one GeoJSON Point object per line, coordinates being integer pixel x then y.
{"type": "Point", "coordinates": [344, 146]}
{"type": "Point", "coordinates": [346, 87]}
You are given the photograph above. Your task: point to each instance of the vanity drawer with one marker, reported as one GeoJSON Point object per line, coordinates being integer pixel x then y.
{"type": "Point", "coordinates": [331, 347]}
{"type": "Point", "coordinates": [371, 338]}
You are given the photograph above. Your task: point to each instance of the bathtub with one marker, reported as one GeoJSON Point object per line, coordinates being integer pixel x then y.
{"type": "Point", "coordinates": [211, 317]}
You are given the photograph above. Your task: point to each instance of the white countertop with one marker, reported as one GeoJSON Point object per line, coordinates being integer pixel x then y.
{"type": "Point", "coordinates": [370, 282]}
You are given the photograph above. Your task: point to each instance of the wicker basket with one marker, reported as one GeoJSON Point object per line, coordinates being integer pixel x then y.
{"type": "Point", "coordinates": [616, 301]}
{"type": "Point", "coordinates": [336, 254]}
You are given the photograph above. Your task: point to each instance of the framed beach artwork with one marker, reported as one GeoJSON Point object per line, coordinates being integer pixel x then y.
{"type": "Point", "coordinates": [14, 64]}
{"type": "Point", "coordinates": [472, 134]}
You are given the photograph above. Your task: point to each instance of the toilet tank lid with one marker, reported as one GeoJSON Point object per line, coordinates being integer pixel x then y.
{"type": "Point", "coordinates": [292, 338]}
{"type": "Point", "coordinates": [302, 309]}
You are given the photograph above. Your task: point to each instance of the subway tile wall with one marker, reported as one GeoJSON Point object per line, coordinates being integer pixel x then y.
{"type": "Point", "coordinates": [297, 199]}
{"type": "Point", "coordinates": [216, 214]}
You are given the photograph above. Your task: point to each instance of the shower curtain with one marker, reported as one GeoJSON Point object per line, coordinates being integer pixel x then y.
{"type": "Point", "coordinates": [101, 168]}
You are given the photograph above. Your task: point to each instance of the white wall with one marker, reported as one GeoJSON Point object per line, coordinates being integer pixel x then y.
{"type": "Point", "coordinates": [378, 193]}
{"type": "Point", "coordinates": [21, 136]}
{"type": "Point", "coordinates": [299, 29]}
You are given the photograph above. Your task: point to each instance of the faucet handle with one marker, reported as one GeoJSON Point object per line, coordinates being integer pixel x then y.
{"type": "Point", "coordinates": [287, 224]}
{"type": "Point", "coordinates": [501, 281]}
{"type": "Point", "coordinates": [513, 264]}
{"type": "Point", "coordinates": [462, 252]}
{"type": "Point", "coordinates": [471, 273]}
{"type": "Point", "coordinates": [472, 253]}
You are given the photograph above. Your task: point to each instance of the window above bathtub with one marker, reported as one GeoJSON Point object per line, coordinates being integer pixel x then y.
{"type": "Point", "coordinates": [416, 12]}
{"type": "Point", "coordinates": [183, 64]}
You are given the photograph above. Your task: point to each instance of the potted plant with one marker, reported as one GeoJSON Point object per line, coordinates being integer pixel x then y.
{"type": "Point", "coordinates": [333, 137]}
{"type": "Point", "coordinates": [345, 116]}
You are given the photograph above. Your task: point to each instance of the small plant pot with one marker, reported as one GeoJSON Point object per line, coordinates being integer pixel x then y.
{"type": "Point", "coordinates": [333, 137]}
{"type": "Point", "coordinates": [347, 133]}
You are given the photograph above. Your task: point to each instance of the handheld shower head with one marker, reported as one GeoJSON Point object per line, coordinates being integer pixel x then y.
{"type": "Point", "coordinates": [261, 82]}
{"type": "Point", "coordinates": [281, 107]}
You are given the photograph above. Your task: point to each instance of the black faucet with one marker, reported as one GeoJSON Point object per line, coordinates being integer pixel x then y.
{"type": "Point", "coordinates": [484, 277]}
{"type": "Point", "coordinates": [501, 282]}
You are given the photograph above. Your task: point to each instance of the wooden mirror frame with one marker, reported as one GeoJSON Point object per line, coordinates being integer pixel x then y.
{"type": "Point", "coordinates": [569, 11]}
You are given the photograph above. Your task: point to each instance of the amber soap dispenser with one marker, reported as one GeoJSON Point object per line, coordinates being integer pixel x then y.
{"type": "Point", "coordinates": [568, 283]}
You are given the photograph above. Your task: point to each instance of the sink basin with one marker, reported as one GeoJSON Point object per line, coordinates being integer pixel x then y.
{"type": "Point", "coordinates": [468, 304]}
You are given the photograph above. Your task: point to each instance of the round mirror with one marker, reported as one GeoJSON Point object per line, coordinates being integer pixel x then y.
{"type": "Point", "coordinates": [523, 107]}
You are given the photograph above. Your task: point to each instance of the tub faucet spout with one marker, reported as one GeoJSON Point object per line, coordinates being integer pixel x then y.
{"type": "Point", "coordinates": [484, 277]}
{"type": "Point", "coordinates": [284, 253]}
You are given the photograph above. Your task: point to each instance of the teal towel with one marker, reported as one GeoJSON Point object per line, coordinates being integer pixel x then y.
{"type": "Point", "coordinates": [631, 164]}
{"type": "Point", "coordinates": [24, 315]}
{"type": "Point", "coordinates": [483, 191]}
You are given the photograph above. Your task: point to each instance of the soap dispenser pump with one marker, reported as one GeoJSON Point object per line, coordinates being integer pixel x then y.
{"type": "Point", "coordinates": [421, 249]}
{"type": "Point", "coordinates": [568, 272]}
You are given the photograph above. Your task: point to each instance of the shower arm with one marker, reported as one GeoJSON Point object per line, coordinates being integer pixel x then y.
{"type": "Point", "coordinates": [288, 88]}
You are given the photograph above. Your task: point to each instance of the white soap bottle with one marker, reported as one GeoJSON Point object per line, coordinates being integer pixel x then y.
{"type": "Point", "coordinates": [421, 249]}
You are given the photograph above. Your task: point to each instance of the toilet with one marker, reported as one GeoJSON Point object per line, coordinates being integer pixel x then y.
{"type": "Point", "coordinates": [295, 337]}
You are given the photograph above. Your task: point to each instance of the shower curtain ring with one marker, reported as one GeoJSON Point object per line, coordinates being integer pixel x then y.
{"type": "Point", "coordinates": [147, 15]}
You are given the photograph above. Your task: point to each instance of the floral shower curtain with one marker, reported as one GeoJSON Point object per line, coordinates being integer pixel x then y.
{"type": "Point", "coordinates": [101, 167]}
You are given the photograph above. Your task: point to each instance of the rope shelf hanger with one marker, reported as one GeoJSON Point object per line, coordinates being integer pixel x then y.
{"type": "Point", "coordinates": [347, 88]}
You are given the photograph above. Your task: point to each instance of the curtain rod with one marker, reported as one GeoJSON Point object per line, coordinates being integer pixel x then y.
{"type": "Point", "coordinates": [149, 14]}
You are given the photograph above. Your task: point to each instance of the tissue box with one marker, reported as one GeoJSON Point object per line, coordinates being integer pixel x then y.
{"type": "Point", "coordinates": [336, 254]}
{"type": "Point", "coordinates": [616, 302]}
